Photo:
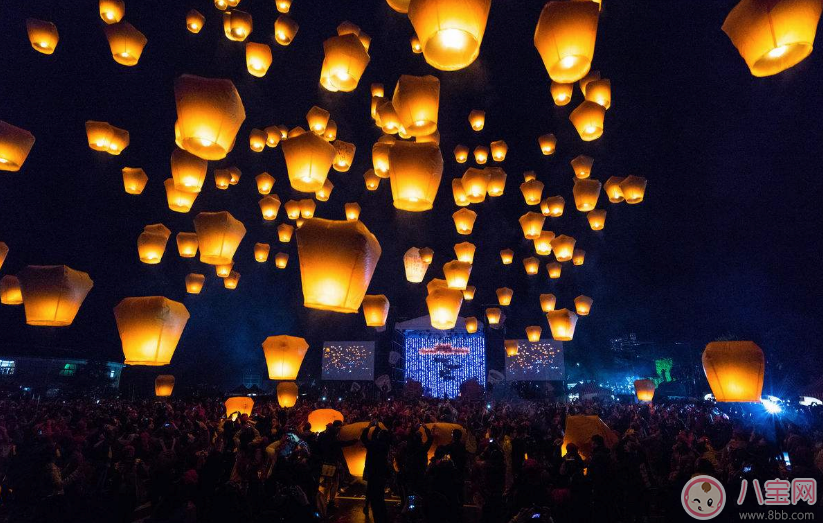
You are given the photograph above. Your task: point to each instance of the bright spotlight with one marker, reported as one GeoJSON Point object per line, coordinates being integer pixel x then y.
{"type": "Point", "coordinates": [771, 406]}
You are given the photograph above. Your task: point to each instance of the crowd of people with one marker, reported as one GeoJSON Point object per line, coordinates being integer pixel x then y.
{"type": "Point", "coordinates": [185, 460]}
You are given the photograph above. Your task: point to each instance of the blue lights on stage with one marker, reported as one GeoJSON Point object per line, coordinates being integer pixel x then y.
{"type": "Point", "coordinates": [442, 361]}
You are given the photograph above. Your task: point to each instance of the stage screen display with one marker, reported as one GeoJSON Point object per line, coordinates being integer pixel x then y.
{"type": "Point", "coordinates": [441, 362]}
{"type": "Point", "coordinates": [536, 361]}
{"type": "Point", "coordinates": [348, 360]}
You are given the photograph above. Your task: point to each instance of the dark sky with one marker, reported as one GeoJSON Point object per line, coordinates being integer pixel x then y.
{"type": "Point", "coordinates": [727, 242]}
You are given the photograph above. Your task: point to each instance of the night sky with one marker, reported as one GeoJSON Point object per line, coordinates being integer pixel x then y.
{"type": "Point", "coordinates": [727, 242]}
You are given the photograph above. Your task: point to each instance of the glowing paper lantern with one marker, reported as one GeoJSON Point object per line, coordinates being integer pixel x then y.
{"type": "Point", "coordinates": [644, 389]}
{"type": "Point", "coordinates": [230, 281]}
{"type": "Point", "coordinates": [772, 36]}
{"type": "Point", "coordinates": [187, 244]}
{"type": "Point", "coordinates": [15, 145]}
{"type": "Point", "coordinates": [613, 190]}
{"type": "Point", "coordinates": [497, 181]}
{"type": "Point", "coordinates": [562, 323]}
{"type": "Point", "coordinates": [461, 153]}
{"type": "Point", "coordinates": [287, 394]}
{"type": "Point", "coordinates": [416, 46]}
{"type": "Point", "coordinates": [221, 4]}
{"type": "Point", "coordinates": [583, 305]}
{"type": "Point", "coordinates": [224, 269]}
{"type": "Point", "coordinates": [565, 36]}
{"type": "Point", "coordinates": [597, 219]}
{"type": "Point", "coordinates": [475, 183]}
{"type": "Point", "coordinates": [553, 206]}
{"type": "Point", "coordinates": [600, 92]}
{"type": "Point", "coordinates": [457, 274]}
{"type": "Point", "coordinates": [126, 43]}
{"type": "Point", "coordinates": [586, 193]}
{"type": "Point", "coordinates": [504, 296]}
{"type": "Point", "coordinates": [734, 370]}
{"type": "Point", "coordinates": [468, 292]}
{"type": "Point", "coordinates": [209, 114]}
{"type": "Point", "coordinates": [506, 256]}
{"type": "Point", "coordinates": [195, 21]}
{"type": "Point", "coordinates": [284, 232]}
{"type": "Point", "coordinates": [554, 270]}
{"type": "Point", "coordinates": [112, 11]}
{"type": "Point", "coordinates": [578, 257]}
{"type": "Point", "coordinates": [532, 191]}
{"type": "Point", "coordinates": [561, 93]}
{"type": "Point", "coordinates": [529, 176]}
{"type": "Point", "coordinates": [320, 418]}
{"type": "Point", "coordinates": [387, 117]}
{"type": "Point", "coordinates": [375, 309]}
{"type": "Point", "coordinates": [481, 154]}
{"type": "Point", "coordinates": [581, 428]}
{"type": "Point", "coordinates": [461, 199]}
{"type": "Point", "coordinates": [533, 333]}
{"type": "Point", "coordinates": [189, 172]}
{"type": "Point", "coordinates": [150, 328]}
{"type": "Point", "coordinates": [238, 406]}
{"type": "Point", "coordinates": [414, 265]}
{"type": "Point", "coordinates": [261, 252]}
{"type": "Point", "coordinates": [634, 189]}
{"type": "Point", "coordinates": [258, 59]}
{"type": "Point", "coordinates": [464, 221]}
{"type": "Point", "coordinates": [237, 25]}
{"type": "Point", "coordinates": [52, 294]}
{"type": "Point", "coordinates": [450, 31]}
{"type": "Point", "coordinates": [477, 119]}
{"type": "Point", "coordinates": [344, 155]}
{"type": "Point", "coordinates": [471, 324]}
{"type": "Point", "coordinates": [269, 205]}
{"type": "Point", "coordinates": [511, 348]}
{"type": "Point", "coordinates": [532, 265]}
{"type": "Point", "coordinates": [308, 160]}
{"type": "Point", "coordinates": [284, 355]}
{"type": "Point", "coordinates": [281, 259]}
{"type": "Point", "coordinates": [194, 283]}
{"type": "Point", "coordinates": [219, 234]}
{"type": "Point", "coordinates": [337, 260]}
{"type": "Point", "coordinates": [493, 315]}
{"type": "Point", "coordinates": [443, 304]}
{"type": "Point", "coordinates": [265, 182]}
{"type": "Point", "coordinates": [292, 209]}
{"type": "Point", "coordinates": [547, 143]}
{"type": "Point", "coordinates": [283, 6]}
{"type": "Point", "coordinates": [563, 247]}
{"type": "Point", "coordinates": [465, 252]}
{"type": "Point", "coordinates": [134, 180]}
{"type": "Point", "coordinates": [499, 150]}
{"type": "Point", "coordinates": [352, 211]}
{"type": "Point", "coordinates": [317, 118]}
{"type": "Point", "coordinates": [307, 208]}
{"type": "Point", "coordinates": [163, 385]}
{"type": "Point", "coordinates": [591, 76]}
{"type": "Point", "coordinates": [532, 225]}
{"type": "Point", "coordinates": [543, 244]}
{"type": "Point", "coordinates": [380, 158]}
{"type": "Point", "coordinates": [415, 172]}
{"type": "Point", "coordinates": [42, 35]}
{"type": "Point", "coordinates": [4, 251]}
{"type": "Point", "coordinates": [377, 90]}
{"type": "Point", "coordinates": [426, 254]}
{"type": "Point", "coordinates": [151, 244]}
{"type": "Point", "coordinates": [104, 137]}
{"type": "Point", "coordinates": [10, 292]}
{"type": "Point", "coordinates": [417, 100]}
{"type": "Point", "coordinates": [222, 178]}
{"type": "Point", "coordinates": [179, 201]}
{"type": "Point", "coordinates": [582, 166]}
{"type": "Point", "coordinates": [588, 118]}
{"type": "Point", "coordinates": [547, 302]}
{"type": "Point", "coordinates": [344, 62]}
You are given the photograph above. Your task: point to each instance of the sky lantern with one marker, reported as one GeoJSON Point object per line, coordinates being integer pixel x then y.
{"type": "Point", "coordinates": [187, 244]}
{"type": "Point", "coordinates": [504, 296]}
{"type": "Point", "coordinates": [234, 175]}
{"type": "Point", "coordinates": [415, 172]}
{"type": "Point", "coordinates": [344, 155]}
{"type": "Point", "coordinates": [416, 46]}
{"type": "Point", "coordinates": [532, 265]}
{"type": "Point", "coordinates": [597, 219]}
{"type": "Point", "coordinates": [533, 333]}
{"type": "Point", "coordinates": [582, 166]}
{"type": "Point", "coordinates": [179, 201]}
{"type": "Point", "coordinates": [112, 11]}
{"type": "Point", "coordinates": [588, 118]}
{"type": "Point", "coordinates": [188, 171]}
{"type": "Point", "coordinates": [330, 134]}
{"type": "Point", "coordinates": [563, 247]}
{"type": "Point", "coordinates": [481, 154]}
{"type": "Point", "coordinates": [4, 251]}
{"type": "Point", "coordinates": [644, 389]}
{"type": "Point", "coordinates": [224, 269]}
{"type": "Point", "coordinates": [426, 254]}
{"type": "Point", "coordinates": [497, 181]}
{"type": "Point", "coordinates": [257, 140]}
{"type": "Point", "coordinates": [307, 208]}
{"type": "Point", "coordinates": [493, 315]}
{"type": "Point", "coordinates": [284, 132]}
{"type": "Point", "coordinates": [105, 137]}
{"type": "Point", "coordinates": [222, 178]}
{"type": "Point", "coordinates": [613, 190]}
{"type": "Point", "coordinates": [477, 119]}
{"type": "Point", "coordinates": [375, 309]}
{"type": "Point", "coordinates": [151, 244]}
{"type": "Point", "coordinates": [126, 43]}
{"type": "Point", "coordinates": [461, 153]}
{"type": "Point", "coordinates": [529, 176]}
{"type": "Point", "coordinates": [633, 188]}
{"type": "Point", "coordinates": [499, 150]}
{"type": "Point", "coordinates": [443, 304]}
{"type": "Point", "coordinates": [163, 385]}
{"type": "Point", "coordinates": [273, 136]}
{"type": "Point", "coordinates": [554, 269]}
{"type": "Point", "coordinates": [296, 131]}
{"type": "Point", "coordinates": [219, 234]}
{"type": "Point", "coordinates": [417, 101]}
{"type": "Point", "coordinates": [269, 206]}
{"type": "Point", "coordinates": [287, 393]}
{"type": "Point", "coordinates": [543, 244]}
{"type": "Point", "coordinates": [565, 36]}
{"type": "Point", "coordinates": [209, 114]}
{"type": "Point", "coordinates": [258, 59]}
{"type": "Point", "coordinates": [261, 252]}
{"type": "Point", "coordinates": [283, 6]}
{"type": "Point", "coordinates": [510, 347]}
{"type": "Point", "coordinates": [461, 199]}
{"type": "Point", "coordinates": [380, 158]}
{"type": "Point", "coordinates": [377, 90]}
{"type": "Point", "coordinates": [773, 35]}
{"type": "Point", "coordinates": [281, 259]}
{"type": "Point", "coordinates": [10, 293]}
{"type": "Point", "coordinates": [237, 25]}
{"type": "Point", "coordinates": [150, 328]}
{"type": "Point", "coordinates": [344, 62]}
{"type": "Point", "coordinates": [586, 193]}
{"type": "Point", "coordinates": [414, 265]}
{"type": "Point", "coordinates": [553, 206]}
{"type": "Point", "coordinates": [284, 355]}
{"type": "Point", "coordinates": [387, 117]}
{"type": "Point", "coordinates": [600, 92]}
{"type": "Point", "coordinates": [547, 302]}
{"type": "Point", "coordinates": [475, 182]}
{"type": "Point", "coordinates": [465, 252]}
{"type": "Point", "coordinates": [308, 160]}
{"type": "Point", "coordinates": [450, 31]}
{"type": "Point", "coordinates": [561, 93]}
{"type": "Point", "coordinates": [532, 191]}
{"type": "Point", "coordinates": [15, 145]}
{"type": "Point", "coordinates": [583, 305]}
{"type": "Point", "coordinates": [578, 257]}
{"type": "Point", "coordinates": [324, 193]}
{"type": "Point", "coordinates": [320, 418]}
{"type": "Point", "coordinates": [734, 369]}
{"type": "Point", "coordinates": [221, 4]}
{"type": "Point", "coordinates": [507, 256]}
{"type": "Point", "coordinates": [532, 225]}
{"type": "Point", "coordinates": [230, 282]}
{"type": "Point", "coordinates": [265, 182]}
{"type": "Point", "coordinates": [42, 35]}
{"type": "Point", "coordinates": [285, 29]}
{"type": "Point", "coordinates": [52, 294]}
{"type": "Point", "coordinates": [547, 143]}
{"type": "Point", "coordinates": [134, 180]}
{"type": "Point", "coordinates": [457, 274]}
{"type": "Point", "coordinates": [195, 21]}
{"type": "Point", "coordinates": [352, 211]}
{"type": "Point", "coordinates": [591, 76]}
{"type": "Point", "coordinates": [471, 324]}
{"type": "Point", "coordinates": [468, 292]}
{"type": "Point", "coordinates": [317, 118]}
{"type": "Point", "coordinates": [284, 232]}
{"type": "Point", "coordinates": [401, 6]}
{"type": "Point", "coordinates": [239, 405]}
{"type": "Point", "coordinates": [292, 209]}
{"type": "Point", "coordinates": [337, 260]}
{"type": "Point", "coordinates": [464, 221]}
{"type": "Point", "coordinates": [194, 283]}
{"type": "Point", "coordinates": [562, 323]}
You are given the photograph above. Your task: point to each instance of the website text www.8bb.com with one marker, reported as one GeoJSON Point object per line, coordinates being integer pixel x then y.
{"type": "Point", "coordinates": [776, 515]}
